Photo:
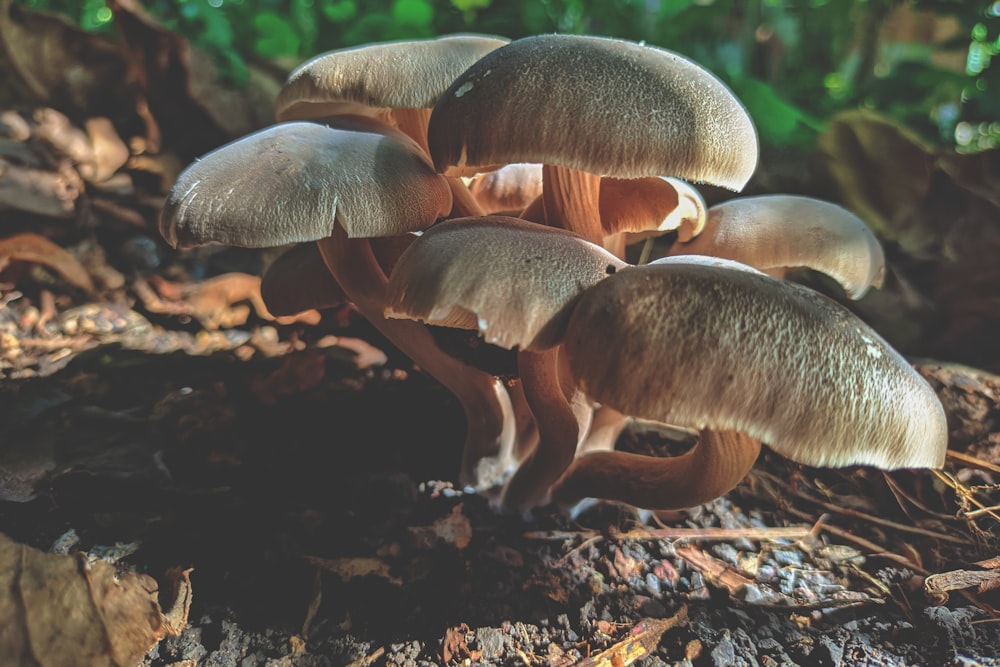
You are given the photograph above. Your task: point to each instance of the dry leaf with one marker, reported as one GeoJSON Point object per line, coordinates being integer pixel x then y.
{"type": "Point", "coordinates": [220, 302]}
{"type": "Point", "coordinates": [453, 529]}
{"type": "Point", "coordinates": [298, 373]}
{"type": "Point", "coordinates": [454, 645]}
{"type": "Point", "coordinates": [48, 58]}
{"type": "Point", "coordinates": [49, 193]}
{"type": "Point", "coordinates": [36, 249]}
{"type": "Point", "coordinates": [352, 568]}
{"type": "Point", "coordinates": [986, 579]}
{"type": "Point", "coordinates": [642, 640]}
{"type": "Point", "coordinates": [56, 611]}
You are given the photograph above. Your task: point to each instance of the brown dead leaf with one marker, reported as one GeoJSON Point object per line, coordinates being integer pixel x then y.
{"type": "Point", "coordinates": [41, 191]}
{"type": "Point", "coordinates": [937, 586]}
{"type": "Point", "coordinates": [642, 640]}
{"type": "Point", "coordinates": [57, 611]}
{"type": "Point", "coordinates": [715, 571]}
{"type": "Point", "coordinates": [454, 529]}
{"type": "Point", "coordinates": [188, 109]}
{"type": "Point", "coordinates": [298, 373]}
{"type": "Point", "coordinates": [353, 568]}
{"type": "Point", "coordinates": [455, 647]}
{"type": "Point", "coordinates": [34, 249]}
{"type": "Point", "coordinates": [220, 302]}
{"type": "Point", "coordinates": [47, 59]}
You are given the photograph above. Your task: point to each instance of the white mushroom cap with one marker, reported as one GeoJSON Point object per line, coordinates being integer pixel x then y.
{"type": "Point", "coordinates": [514, 281]}
{"type": "Point", "coordinates": [373, 78]}
{"type": "Point", "coordinates": [604, 106]}
{"type": "Point", "coordinates": [708, 347]}
{"type": "Point", "coordinates": [510, 188]}
{"type": "Point", "coordinates": [287, 183]}
{"type": "Point", "coordinates": [777, 232]}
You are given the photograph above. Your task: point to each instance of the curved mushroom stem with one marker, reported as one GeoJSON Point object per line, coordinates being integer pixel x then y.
{"type": "Point", "coordinates": [716, 464]}
{"type": "Point", "coordinates": [559, 420]}
{"type": "Point", "coordinates": [488, 412]}
{"type": "Point", "coordinates": [413, 122]}
{"type": "Point", "coordinates": [605, 428]}
{"type": "Point", "coordinates": [527, 431]}
{"type": "Point", "coordinates": [463, 203]}
{"type": "Point", "coordinates": [571, 201]}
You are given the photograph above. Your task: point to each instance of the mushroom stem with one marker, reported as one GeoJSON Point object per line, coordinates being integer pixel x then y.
{"type": "Point", "coordinates": [527, 432]}
{"type": "Point", "coordinates": [413, 122]}
{"type": "Point", "coordinates": [559, 424]}
{"type": "Point", "coordinates": [463, 203]}
{"type": "Point", "coordinates": [571, 201]}
{"type": "Point", "coordinates": [716, 464]}
{"type": "Point", "coordinates": [489, 415]}
{"type": "Point", "coordinates": [605, 428]}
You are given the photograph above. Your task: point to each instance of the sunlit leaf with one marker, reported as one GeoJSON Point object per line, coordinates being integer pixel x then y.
{"type": "Point", "coordinates": [276, 36]}
{"type": "Point", "coordinates": [412, 12]}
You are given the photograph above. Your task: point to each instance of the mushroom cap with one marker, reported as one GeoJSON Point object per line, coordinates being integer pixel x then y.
{"type": "Point", "coordinates": [510, 188]}
{"type": "Point", "coordinates": [651, 206]}
{"type": "Point", "coordinates": [298, 280]}
{"type": "Point", "coordinates": [373, 77]}
{"type": "Point", "coordinates": [514, 281]}
{"type": "Point", "coordinates": [703, 346]}
{"type": "Point", "coordinates": [287, 183]}
{"type": "Point", "coordinates": [790, 231]}
{"type": "Point", "coordinates": [605, 106]}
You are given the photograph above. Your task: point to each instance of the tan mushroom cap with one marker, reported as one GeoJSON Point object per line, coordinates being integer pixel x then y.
{"type": "Point", "coordinates": [298, 280]}
{"type": "Point", "coordinates": [287, 183]}
{"type": "Point", "coordinates": [776, 232]}
{"type": "Point", "coordinates": [650, 206]}
{"type": "Point", "coordinates": [373, 78]}
{"type": "Point", "coordinates": [707, 347]}
{"type": "Point", "coordinates": [604, 106]}
{"type": "Point", "coordinates": [510, 188]}
{"type": "Point", "coordinates": [514, 281]}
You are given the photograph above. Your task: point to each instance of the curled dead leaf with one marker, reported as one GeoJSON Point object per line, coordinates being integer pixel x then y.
{"type": "Point", "coordinates": [34, 249]}
{"type": "Point", "coordinates": [58, 611]}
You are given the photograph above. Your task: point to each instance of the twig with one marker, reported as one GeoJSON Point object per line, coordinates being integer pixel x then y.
{"type": "Point", "coordinates": [972, 461]}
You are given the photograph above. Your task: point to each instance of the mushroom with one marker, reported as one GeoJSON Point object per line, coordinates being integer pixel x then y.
{"type": "Point", "coordinates": [298, 182]}
{"type": "Point", "coordinates": [776, 232]}
{"type": "Point", "coordinates": [653, 113]}
{"type": "Point", "coordinates": [509, 189]}
{"type": "Point", "coordinates": [742, 357]}
{"type": "Point", "coordinates": [297, 281]}
{"type": "Point", "coordinates": [396, 82]}
{"type": "Point", "coordinates": [517, 295]}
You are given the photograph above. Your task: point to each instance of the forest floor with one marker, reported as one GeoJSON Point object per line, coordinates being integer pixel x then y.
{"type": "Point", "coordinates": [153, 416]}
{"type": "Point", "coordinates": [307, 489]}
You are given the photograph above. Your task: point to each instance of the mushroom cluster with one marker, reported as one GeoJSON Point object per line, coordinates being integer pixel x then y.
{"type": "Point", "coordinates": [473, 182]}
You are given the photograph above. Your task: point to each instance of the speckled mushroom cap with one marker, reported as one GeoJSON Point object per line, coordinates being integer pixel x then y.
{"type": "Point", "coordinates": [708, 347]}
{"type": "Point", "coordinates": [374, 77]}
{"type": "Point", "coordinates": [514, 281]}
{"type": "Point", "coordinates": [789, 231]}
{"type": "Point", "coordinates": [605, 106]}
{"type": "Point", "coordinates": [287, 184]}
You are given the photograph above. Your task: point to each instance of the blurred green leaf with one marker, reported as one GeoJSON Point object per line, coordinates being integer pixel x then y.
{"type": "Point", "coordinates": [412, 12]}
{"type": "Point", "coordinates": [778, 122]}
{"type": "Point", "coordinates": [470, 5]}
{"type": "Point", "coordinates": [276, 37]}
{"type": "Point", "coordinates": [339, 11]}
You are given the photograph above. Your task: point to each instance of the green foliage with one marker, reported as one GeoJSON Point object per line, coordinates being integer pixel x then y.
{"type": "Point", "coordinates": [792, 62]}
